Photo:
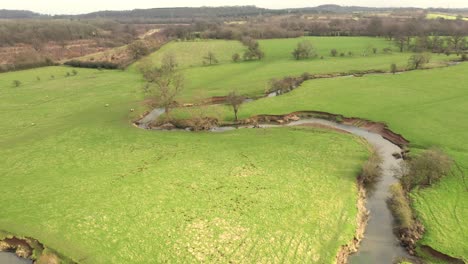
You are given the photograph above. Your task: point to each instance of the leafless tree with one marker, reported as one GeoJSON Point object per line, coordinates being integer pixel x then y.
{"type": "Point", "coordinates": [210, 59]}
{"type": "Point", "coordinates": [165, 82]}
{"type": "Point", "coordinates": [235, 101]}
{"type": "Point", "coordinates": [418, 60]}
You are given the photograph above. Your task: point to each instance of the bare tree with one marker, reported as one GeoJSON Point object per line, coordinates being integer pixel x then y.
{"type": "Point", "coordinates": [165, 82]}
{"type": "Point", "coordinates": [393, 68]}
{"type": "Point", "coordinates": [235, 101]}
{"type": "Point", "coordinates": [236, 57]}
{"type": "Point", "coordinates": [210, 59]}
{"type": "Point", "coordinates": [304, 50]}
{"type": "Point", "coordinates": [418, 60]}
{"type": "Point", "coordinates": [138, 49]}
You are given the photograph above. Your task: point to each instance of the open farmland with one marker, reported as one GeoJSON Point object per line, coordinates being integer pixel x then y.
{"type": "Point", "coordinates": [252, 78]}
{"type": "Point", "coordinates": [79, 176]}
{"type": "Point", "coordinates": [230, 200]}
{"type": "Point", "coordinates": [427, 107]}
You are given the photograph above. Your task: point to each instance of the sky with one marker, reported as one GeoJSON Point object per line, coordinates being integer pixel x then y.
{"type": "Point", "coordinates": [86, 6]}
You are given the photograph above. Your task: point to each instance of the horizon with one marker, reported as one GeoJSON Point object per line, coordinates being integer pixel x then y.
{"type": "Point", "coordinates": [56, 7]}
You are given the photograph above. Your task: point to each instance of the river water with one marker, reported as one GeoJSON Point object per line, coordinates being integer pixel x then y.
{"type": "Point", "coordinates": [11, 258]}
{"type": "Point", "coordinates": [379, 244]}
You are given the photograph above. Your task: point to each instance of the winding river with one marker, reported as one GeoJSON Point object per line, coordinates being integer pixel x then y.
{"type": "Point", "coordinates": [379, 244]}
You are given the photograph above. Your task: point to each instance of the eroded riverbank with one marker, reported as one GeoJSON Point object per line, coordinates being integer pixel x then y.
{"type": "Point", "coordinates": [379, 243]}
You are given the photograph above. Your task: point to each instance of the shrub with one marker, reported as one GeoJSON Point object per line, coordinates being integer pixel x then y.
{"type": "Point", "coordinates": [371, 171]}
{"type": "Point", "coordinates": [425, 169]}
{"type": "Point", "coordinates": [333, 52]}
{"type": "Point", "coordinates": [38, 78]}
{"type": "Point", "coordinates": [67, 74]}
{"type": "Point", "coordinates": [416, 61]}
{"type": "Point", "coordinates": [236, 57]}
{"type": "Point", "coordinates": [374, 50]}
{"type": "Point", "coordinates": [284, 85]}
{"type": "Point", "coordinates": [74, 72]}
{"type": "Point", "coordinates": [92, 64]}
{"type": "Point", "coordinates": [393, 68]}
{"type": "Point", "coordinates": [400, 207]}
{"type": "Point", "coordinates": [304, 50]}
{"type": "Point", "coordinates": [306, 76]}
{"type": "Point", "coordinates": [52, 77]}
{"type": "Point", "coordinates": [342, 54]}
{"type": "Point", "coordinates": [16, 83]}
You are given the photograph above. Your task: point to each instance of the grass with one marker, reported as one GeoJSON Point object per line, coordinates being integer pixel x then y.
{"type": "Point", "coordinates": [191, 53]}
{"type": "Point", "coordinates": [444, 16]}
{"type": "Point", "coordinates": [86, 183]}
{"type": "Point", "coordinates": [98, 190]}
{"type": "Point", "coordinates": [252, 78]}
{"type": "Point", "coordinates": [427, 107]}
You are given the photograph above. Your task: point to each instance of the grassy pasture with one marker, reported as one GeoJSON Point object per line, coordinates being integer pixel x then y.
{"type": "Point", "coordinates": [85, 182]}
{"type": "Point", "coordinates": [444, 16]}
{"type": "Point", "coordinates": [428, 107]}
{"type": "Point", "coordinates": [252, 78]}
{"type": "Point", "coordinates": [191, 53]}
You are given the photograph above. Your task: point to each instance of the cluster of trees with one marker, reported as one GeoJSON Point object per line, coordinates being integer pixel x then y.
{"type": "Point", "coordinates": [253, 51]}
{"type": "Point", "coordinates": [92, 64]}
{"type": "Point", "coordinates": [38, 33]}
{"type": "Point", "coordinates": [26, 61]}
{"type": "Point", "coordinates": [288, 26]}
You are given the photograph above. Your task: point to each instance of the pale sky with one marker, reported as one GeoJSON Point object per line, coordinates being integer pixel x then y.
{"type": "Point", "coordinates": [86, 6]}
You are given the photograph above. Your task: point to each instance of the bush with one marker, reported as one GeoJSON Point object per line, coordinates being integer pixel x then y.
{"type": "Point", "coordinates": [400, 207]}
{"type": "Point", "coordinates": [92, 64]}
{"type": "Point", "coordinates": [16, 83]}
{"type": "Point", "coordinates": [74, 72]}
{"type": "Point", "coordinates": [371, 171]}
{"type": "Point", "coordinates": [425, 169]}
{"type": "Point", "coordinates": [393, 68]}
{"type": "Point", "coordinates": [464, 57]}
{"type": "Point", "coordinates": [236, 57]}
{"type": "Point", "coordinates": [284, 85]}
{"type": "Point", "coordinates": [418, 60]}
{"type": "Point", "coordinates": [304, 50]}
{"type": "Point", "coordinates": [333, 52]}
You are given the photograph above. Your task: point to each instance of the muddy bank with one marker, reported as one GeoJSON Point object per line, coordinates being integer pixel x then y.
{"type": "Point", "coordinates": [441, 256]}
{"type": "Point", "coordinates": [374, 127]}
{"type": "Point", "coordinates": [361, 219]}
{"type": "Point", "coordinates": [29, 250]}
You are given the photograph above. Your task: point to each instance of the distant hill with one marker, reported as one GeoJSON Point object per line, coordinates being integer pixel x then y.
{"type": "Point", "coordinates": [178, 13]}
{"type": "Point", "coordinates": [14, 14]}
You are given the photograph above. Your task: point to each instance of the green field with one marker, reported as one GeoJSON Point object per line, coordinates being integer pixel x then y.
{"type": "Point", "coordinates": [444, 16]}
{"type": "Point", "coordinates": [80, 178]}
{"type": "Point", "coordinates": [428, 107]}
{"type": "Point", "coordinates": [252, 78]}
{"type": "Point", "coordinates": [88, 184]}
